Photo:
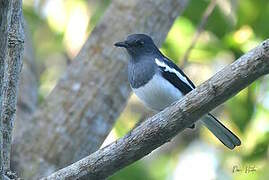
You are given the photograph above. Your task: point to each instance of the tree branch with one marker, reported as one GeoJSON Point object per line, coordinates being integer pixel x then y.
{"type": "Point", "coordinates": [5, 17]}
{"type": "Point", "coordinates": [162, 127]}
{"type": "Point", "coordinates": [12, 71]}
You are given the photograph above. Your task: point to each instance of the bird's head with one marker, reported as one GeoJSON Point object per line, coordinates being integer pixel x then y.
{"type": "Point", "coordinates": [138, 44]}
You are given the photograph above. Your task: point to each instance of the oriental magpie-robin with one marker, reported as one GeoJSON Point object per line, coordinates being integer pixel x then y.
{"type": "Point", "coordinates": [158, 82]}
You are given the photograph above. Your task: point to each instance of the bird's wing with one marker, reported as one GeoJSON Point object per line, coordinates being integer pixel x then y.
{"type": "Point", "coordinates": [174, 75]}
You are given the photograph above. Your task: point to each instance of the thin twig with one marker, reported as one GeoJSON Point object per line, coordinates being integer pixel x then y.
{"type": "Point", "coordinates": [162, 127]}
{"type": "Point", "coordinates": [199, 30]}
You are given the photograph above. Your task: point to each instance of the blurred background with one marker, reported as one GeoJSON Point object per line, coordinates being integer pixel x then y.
{"type": "Point", "coordinates": [58, 29]}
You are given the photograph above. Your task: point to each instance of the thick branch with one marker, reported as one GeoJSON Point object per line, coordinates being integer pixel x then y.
{"type": "Point", "coordinates": [162, 127]}
{"type": "Point", "coordinates": [12, 71]}
{"type": "Point", "coordinates": [81, 110]}
{"type": "Point", "coordinates": [5, 16]}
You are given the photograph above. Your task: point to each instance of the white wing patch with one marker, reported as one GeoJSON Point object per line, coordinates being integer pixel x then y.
{"type": "Point", "coordinates": [172, 70]}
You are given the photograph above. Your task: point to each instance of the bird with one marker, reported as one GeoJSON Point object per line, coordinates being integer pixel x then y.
{"type": "Point", "coordinates": [158, 82]}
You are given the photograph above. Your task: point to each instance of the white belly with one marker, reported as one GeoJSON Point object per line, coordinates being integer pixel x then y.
{"type": "Point", "coordinates": [158, 93]}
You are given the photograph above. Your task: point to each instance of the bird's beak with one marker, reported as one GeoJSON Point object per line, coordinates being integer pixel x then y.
{"type": "Point", "coordinates": [121, 44]}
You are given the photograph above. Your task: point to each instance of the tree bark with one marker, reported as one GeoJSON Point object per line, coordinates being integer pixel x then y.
{"type": "Point", "coordinates": [12, 71]}
{"type": "Point", "coordinates": [81, 110]}
{"type": "Point", "coordinates": [5, 17]}
{"type": "Point", "coordinates": [162, 127]}
{"type": "Point", "coordinates": [11, 49]}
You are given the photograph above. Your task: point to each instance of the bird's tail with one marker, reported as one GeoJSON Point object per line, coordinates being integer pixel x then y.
{"type": "Point", "coordinates": [228, 138]}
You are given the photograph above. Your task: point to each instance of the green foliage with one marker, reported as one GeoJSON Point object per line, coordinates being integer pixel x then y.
{"type": "Point", "coordinates": [260, 149]}
{"type": "Point", "coordinates": [241, 107]}
{"type": "Point", "coordinates": [135, 171]}
{"type": "Point", "coordinates": [255, 14]}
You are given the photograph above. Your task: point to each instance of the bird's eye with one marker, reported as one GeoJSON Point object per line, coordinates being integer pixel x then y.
{"type": "Point", "coordinates": [139, 43]}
